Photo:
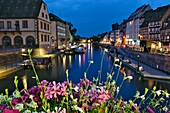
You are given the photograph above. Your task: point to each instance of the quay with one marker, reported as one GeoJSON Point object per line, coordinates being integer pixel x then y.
{"type": "Point", "coordinates": [5, 71]}
{"type": "Point", "coordinates": [147, 72]}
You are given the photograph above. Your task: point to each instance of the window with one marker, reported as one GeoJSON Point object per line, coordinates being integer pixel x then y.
{"type": "Point", "coordinates": [46, 16]}
{"type": "Point", "coordinates": [1, 25]}
{"type": "Point", "coordinates": [8, 24]}
{"type": "Point", "coordinates": [42, 38]}
{"type": "Point", "coordinates": [42, 14]}
{"type": "Point", "coordinates": [17, 25]}
{"type": "Point", "coordinates": [48, 38]}
{"type": "Point", "coordinates": [47, 26]}
{"type": "Point", "coordinates": [41, 25]}
{"type": "Point", "coordinates": [44, 7]}
{"type": "Point", "coordinates": [24, 24]}
{"type": "Point", "coordinates": [45, 38]}
{"type": "Point", "coordinates": [44, 26]}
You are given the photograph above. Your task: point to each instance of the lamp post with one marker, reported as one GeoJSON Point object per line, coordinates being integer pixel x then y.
{"type": "Point", "coordinates": [138, 62]}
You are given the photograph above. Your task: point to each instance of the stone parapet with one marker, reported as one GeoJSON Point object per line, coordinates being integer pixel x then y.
{"type": "Point", "coordinates": [161, 62]}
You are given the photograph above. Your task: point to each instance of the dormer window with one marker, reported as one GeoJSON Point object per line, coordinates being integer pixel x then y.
{"type": "Point", "coordinates": [42, 14]}
{"type": "Point", "coordinates": [46, 16]}
{"type": "Point", "coordinates": [44, 7]}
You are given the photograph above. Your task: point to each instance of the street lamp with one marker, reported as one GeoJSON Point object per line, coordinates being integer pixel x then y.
{"type": "Point", "coordinates": [138, 62]}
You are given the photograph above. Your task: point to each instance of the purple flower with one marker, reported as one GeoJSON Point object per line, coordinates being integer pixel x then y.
{"type": "Point", "coordinates": [10, 111]}
{"type": "Point", "coordinates": [150, 110]}
{"type": "Point", "coordinates": [48, 93]}
{"type": "Point", "coordinates": [2, 106]}
{"type": "Point", "coordinates": [16, 101]}
{"type": "Point", "coordinates": [44, 82]}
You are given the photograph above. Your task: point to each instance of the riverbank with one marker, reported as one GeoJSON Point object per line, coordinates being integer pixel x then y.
{"type": "Point", "coordinates": [147, 72]}
{"type": "Point", "coordinates": [5, 71]}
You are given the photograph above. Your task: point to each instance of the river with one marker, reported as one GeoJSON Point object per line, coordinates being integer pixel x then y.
{"type": "Point", "coordinates": [77, 64]}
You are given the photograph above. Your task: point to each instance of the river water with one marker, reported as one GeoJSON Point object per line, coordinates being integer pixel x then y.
{"type": "Point", "coordinates": [77, 64]}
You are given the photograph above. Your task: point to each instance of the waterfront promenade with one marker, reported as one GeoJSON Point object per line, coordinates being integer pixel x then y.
{"type": "Point", "coordinates": [149, 72]}
{"type": "Point", "coordinates": [9, 69]}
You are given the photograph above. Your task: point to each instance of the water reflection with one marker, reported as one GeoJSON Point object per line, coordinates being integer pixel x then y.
{"type": "Point", "coordinates": [77, 65]}
{"type": "Point", "coordinates": [24, 81]}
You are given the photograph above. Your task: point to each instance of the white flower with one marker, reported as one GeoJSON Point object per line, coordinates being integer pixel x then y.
{"type": "Point", "coordinates": [137, 94]}
{"type": "Point", "coordinates": [31, 97]}
{"type": "Point", "coordinates": [60, 110]}
{"type": "Point", "coordinates": [16, 94]}
{"type": "Point", "coordinates": [113, 82]}
{"type": "Point", "coordinates": [162, 99]}
{"type": "Point", "coordinates": [27, 111]}
{"type": "Point", "coordinates": [19, 107]}
{"type": "Point", "coordinates": [158, 92]}
{"type": "Point", "coordinates": [105, 50]}
{"type": "Point", "coordinates": [128, 77]}
{"type": "Point", "coordinates": [166, 94]}
{"type": "Point", "coordinates": [142, 97]}
{"type": "Point", "coordinates": [165, 109]}
{"type": "Point", "coordinates": [33, 104]}
{"type": "Point", "coordinates": [75, 107]}
{"type": "Point", "coordinates": [2, 98]}
{"type": "Point", "coordinates": [76, 88]}
{"type": "Point", "coordinates": [109, 76]}
{"type": "Point", "coordinates": [117, 89]}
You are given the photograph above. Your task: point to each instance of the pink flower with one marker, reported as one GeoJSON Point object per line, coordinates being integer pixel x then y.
{"type": "Point", "coordinates": [10, 111]}
{"type": "Point", "coordinates": [2, 106]}
{"type": "Point", "coordinates": [85, 106]}
{"type": "Point", "coordinates": [44, 82]}
{"type": "Point", "coordinates": [150, 110]}
{"type": "Point", "coordinates": [48, 93]}
{"type": "Point", "coordinates": [16, 101]}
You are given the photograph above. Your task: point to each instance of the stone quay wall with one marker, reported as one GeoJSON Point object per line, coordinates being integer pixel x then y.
{"type": "Point", "coordinates": [158, 61]}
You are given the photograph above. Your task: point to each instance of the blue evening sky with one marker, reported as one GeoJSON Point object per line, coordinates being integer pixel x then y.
{"type": "Point", "coordinates": [92, 17]}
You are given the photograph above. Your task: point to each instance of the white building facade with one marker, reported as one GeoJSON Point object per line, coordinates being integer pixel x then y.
{"type": "Point", "coordinates": [24, 27]}
{"type": "Point", "coordinates": [132, 25]}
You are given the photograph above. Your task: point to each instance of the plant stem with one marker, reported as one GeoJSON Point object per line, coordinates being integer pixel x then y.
{"type": "Point", "coordinates": [100, 73]}
{"type": "Point", "coordinates": [32, 64]}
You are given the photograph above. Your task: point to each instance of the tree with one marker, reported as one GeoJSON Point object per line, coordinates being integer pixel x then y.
{"type": "Point", "coordinates": [72, 30]}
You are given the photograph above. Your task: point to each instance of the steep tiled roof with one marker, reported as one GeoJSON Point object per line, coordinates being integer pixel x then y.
{"type": "Point", "coordinates": [154, 15]}
{"type": "Point", "coordinates": [138, 12]}
{"type": "Point", "coordinates": [168, 24]}
{"type": "Point", "coordinates": [55, 18]}
{"type": "Point", "coordinates": [147, 16]}
{"type": "Point", "coordinates": [20, 8]}
{"type": "Point", "coordinates": [159, 13]}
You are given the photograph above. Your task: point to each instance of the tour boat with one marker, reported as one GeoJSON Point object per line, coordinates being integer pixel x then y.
{"type": "Point", "coordinates": [80, 50]}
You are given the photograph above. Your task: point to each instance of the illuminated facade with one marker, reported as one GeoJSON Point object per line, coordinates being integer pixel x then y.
{"type": "Point", "coordinates": [59, 31]}
{"type": "Point", "coordinates": [24, 24]}
{"type": "Point", "coordinates": [132, 25]}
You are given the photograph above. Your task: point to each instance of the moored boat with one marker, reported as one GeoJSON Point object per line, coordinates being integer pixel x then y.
{"type": "Point", "coordinates": [80, 50]}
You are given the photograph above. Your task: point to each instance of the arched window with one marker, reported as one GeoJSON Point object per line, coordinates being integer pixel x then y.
{"type": "Point", "coordinates": [6, 42]}
{"type": "Point", "coordinates": [30, 42]}
{"type": "Point", "coordinates": [18, 42]}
